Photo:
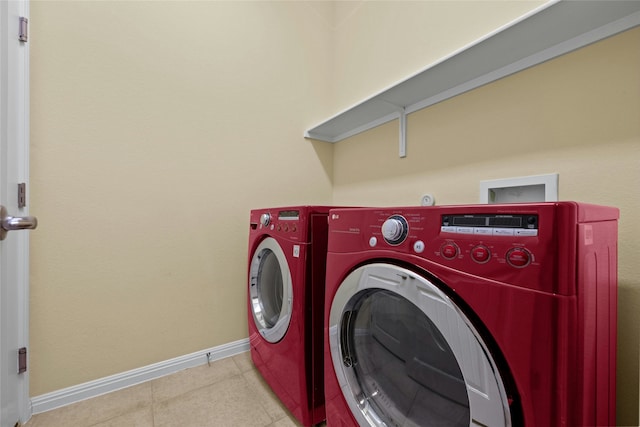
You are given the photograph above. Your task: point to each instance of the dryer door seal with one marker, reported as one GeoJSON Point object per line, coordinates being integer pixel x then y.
{"type": "Point", "coordinates": [405, 354]}
{"type": "Point", "coordinates": [270, 290]}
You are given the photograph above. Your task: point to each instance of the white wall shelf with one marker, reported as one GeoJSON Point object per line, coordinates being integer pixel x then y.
{"type": "Point", "coordinates": [549, 31]}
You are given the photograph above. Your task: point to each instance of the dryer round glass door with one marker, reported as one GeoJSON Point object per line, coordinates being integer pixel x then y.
{"type": "Point", "coordinates": [270, 290]}
{"type": "Point", "coordinates": [405, 354]}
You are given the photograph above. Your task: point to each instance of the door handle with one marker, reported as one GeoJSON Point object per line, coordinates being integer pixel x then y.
{"type": "Point", "coordinates": [10, 223]}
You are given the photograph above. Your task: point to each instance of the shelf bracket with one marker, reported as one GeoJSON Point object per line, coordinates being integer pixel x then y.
{"type": "Point", "coordinates": [403, 133]}
{"type": "Point", "coordinates": [402, 125]}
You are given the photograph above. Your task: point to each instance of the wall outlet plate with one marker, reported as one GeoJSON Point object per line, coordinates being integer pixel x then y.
{"type": "Point", "coordinates": [537, 188]}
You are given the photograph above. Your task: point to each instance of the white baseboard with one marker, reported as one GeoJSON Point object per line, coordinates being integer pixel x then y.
{"type": "Point", "coordinates": [67, 396]}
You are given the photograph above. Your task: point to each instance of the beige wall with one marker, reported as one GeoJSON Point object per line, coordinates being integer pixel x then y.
{"type": "Point", "coordinates": [153, 123]}
{"type": "Point", "coordinates": [576, 115]}
{"type": "Point", "coordinates": [379, 43]}
{"type": "Point", "coordinates": [156, 127]}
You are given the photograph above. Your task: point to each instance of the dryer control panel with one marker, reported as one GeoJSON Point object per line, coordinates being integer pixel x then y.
{"type": "Point", "coordinates": [487, 226]}
{"type": "Point", "coordinates": [514, 243]}
{"type": "Point", "coordinates": [491, 225]}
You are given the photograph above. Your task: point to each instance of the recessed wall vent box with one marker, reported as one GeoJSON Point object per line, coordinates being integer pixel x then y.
{"type": "Point", "coordinates": [539, 188]}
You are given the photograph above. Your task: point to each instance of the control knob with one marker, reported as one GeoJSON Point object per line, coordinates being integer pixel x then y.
{"type": "Point", "coordinates": [265, 219]}
{"type": "Point", "coordinates": [518, 257]}
{"type": "Point", "coordinates": [480, 254]}
{"type": "Point", "coordinates": [395, 229]}
{"type": "Point", "coordinates": [449, 250]}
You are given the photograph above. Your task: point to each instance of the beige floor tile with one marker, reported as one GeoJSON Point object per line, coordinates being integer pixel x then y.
{"type": "Point", "coordinates": [244, 362]}
{"type": "Point", "coordinates": [99, 409]}
{"type": "Point", "coordinates": [194, 378]}
{"type": "Point", "coordinates": [265, 396]}
{"type": "Point", "coordinates": [140, 418]}
{"type": "Point", "coordinates": [229, 403]}
{"type": "Point", "coordinates": [229, 393]}
{"type": "Point", "coordinates": [286, 422]}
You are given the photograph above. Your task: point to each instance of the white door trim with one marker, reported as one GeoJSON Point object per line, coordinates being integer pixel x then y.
{"type": "Point", "coordinates": [14, 143]}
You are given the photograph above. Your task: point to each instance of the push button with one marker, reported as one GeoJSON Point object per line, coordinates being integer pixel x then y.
{"type": "Point", "coordinates": [480, 254]}
{"type": "Point", "coordinates": [449, 250]}
{"type": "Point", "coordinates": [526, 232]}
{"type": "Point", "coordinates": [503, 232]}
{"type": "Point", "coordinates": [483, 231]}
{"type": "Point", "coordinates": [518, 257]}
{"type": "Point", "coordinates": [464, 230]}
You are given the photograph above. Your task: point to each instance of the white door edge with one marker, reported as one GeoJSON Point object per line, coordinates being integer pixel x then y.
{"type": "Point", "coordinates": [14, 169]}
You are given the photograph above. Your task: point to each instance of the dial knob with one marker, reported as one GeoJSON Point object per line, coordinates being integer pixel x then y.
{"type": "Point", "coordinates": [449, 250]}
{"type": "Point", "coordinates": [265, 219]}
{"type": "Point", "coordinates": [480, 254]}
{"type": "Point", "coordinates": [395, 229]}
{"type": "Point", "coordinates": [518, 257]}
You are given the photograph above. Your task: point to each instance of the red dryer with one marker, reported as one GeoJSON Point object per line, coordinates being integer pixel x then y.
{"type": "Point", "coordinates": [487, 315]}
{"type": "Point", "coordinates": [287, 256]}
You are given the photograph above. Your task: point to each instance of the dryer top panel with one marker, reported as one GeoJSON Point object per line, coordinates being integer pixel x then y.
{"type": "Point", "coordinates": [527, 245]}
{"type": "Point", "coordinates": [288, 222]}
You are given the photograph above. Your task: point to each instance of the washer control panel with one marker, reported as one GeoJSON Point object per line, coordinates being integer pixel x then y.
{"type": "Point", "coordinates": [287, 223]}
{"type": "Point", "coordinates": [490, 225]}
{"type": "Point", "coordinates": [477, 238]}
{"type": "Point", "coordinates": [515, 243]}
{"type": "Point", "coordinates": [486, 226]}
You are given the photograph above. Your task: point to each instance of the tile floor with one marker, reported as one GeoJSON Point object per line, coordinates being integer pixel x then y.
{"type": "Point", "coordinates": [229, 393]}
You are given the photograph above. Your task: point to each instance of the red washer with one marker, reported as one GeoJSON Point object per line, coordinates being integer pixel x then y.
{"type": "Point", "coordinates": [521, 335]}
{"type": "Point", "coordinates": [287, 263]}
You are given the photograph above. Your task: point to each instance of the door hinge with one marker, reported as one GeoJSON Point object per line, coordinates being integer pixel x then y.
{"type": "Point", "coordinates": [22, 360]}
{"type": "Point", "coordinates": [22, 195]}
{"type": "Point", "coordinates": [23, 29]}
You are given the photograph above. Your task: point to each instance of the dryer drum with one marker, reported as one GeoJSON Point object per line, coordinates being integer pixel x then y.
{"type": "Point", "coordinates": [415, 358]}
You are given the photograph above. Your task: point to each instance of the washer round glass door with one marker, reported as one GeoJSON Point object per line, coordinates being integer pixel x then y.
{"type": "Point", "coordinates": [406, 355]}
{"type": "Point", "coordinates": [270, 290]}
